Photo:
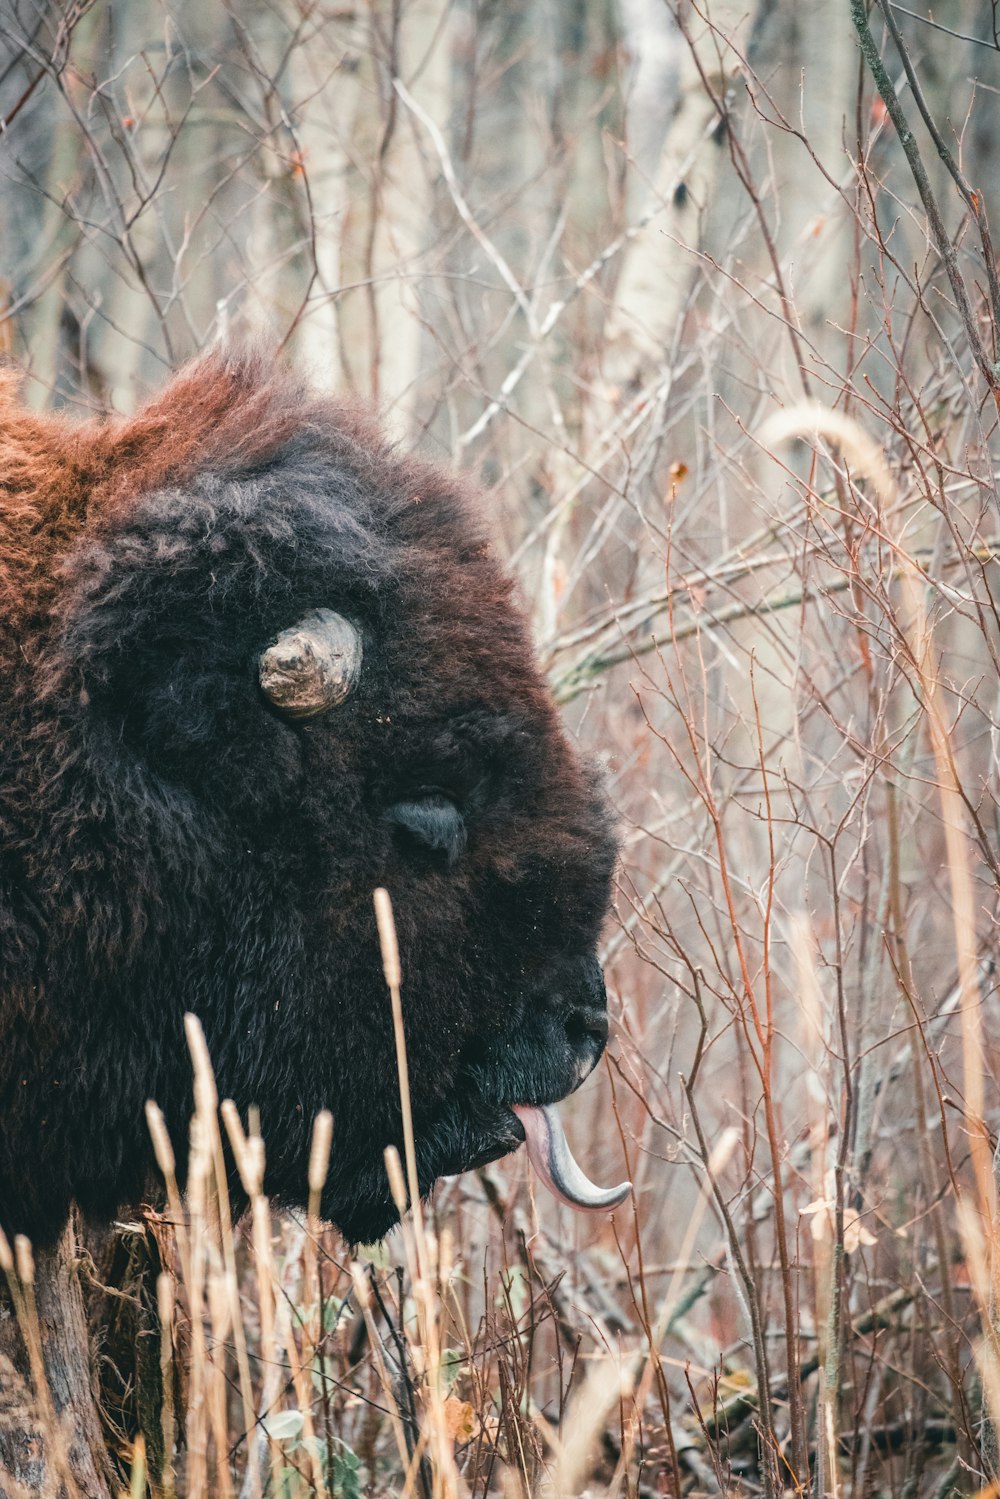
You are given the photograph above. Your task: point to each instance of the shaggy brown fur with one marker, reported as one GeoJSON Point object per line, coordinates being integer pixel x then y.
{"type": "Point", "coordinates": [168, 842]}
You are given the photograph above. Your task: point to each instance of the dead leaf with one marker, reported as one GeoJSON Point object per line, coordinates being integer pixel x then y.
{"type": "Point", "coordinates": [459, 1419]}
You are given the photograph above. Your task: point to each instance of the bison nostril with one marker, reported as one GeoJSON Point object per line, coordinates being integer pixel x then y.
{"type": "Point", "coordinates": [585, 1026]}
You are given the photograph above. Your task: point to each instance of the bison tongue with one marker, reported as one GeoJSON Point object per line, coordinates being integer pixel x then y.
{"type": "Point", "coordinates": [549, 1153]}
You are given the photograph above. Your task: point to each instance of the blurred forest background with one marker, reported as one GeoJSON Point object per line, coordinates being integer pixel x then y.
{"type": "Point", "coordinates": [588, 252]}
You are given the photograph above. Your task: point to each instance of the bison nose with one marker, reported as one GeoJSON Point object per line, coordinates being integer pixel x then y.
{"type": "Point", "coordinates": [577, 999]}
{"type": "Point", "coordinates": [587, 1026]}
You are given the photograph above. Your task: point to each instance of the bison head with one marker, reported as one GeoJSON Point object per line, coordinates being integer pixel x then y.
{"type": "Point", "coordinates": [254, 664]}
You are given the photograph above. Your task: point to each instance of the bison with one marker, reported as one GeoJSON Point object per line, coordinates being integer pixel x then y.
{"type": "Point", "coordinates": [253, 664]}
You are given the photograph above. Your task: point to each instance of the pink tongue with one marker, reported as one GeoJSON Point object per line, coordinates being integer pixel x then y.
{"type": "Point", "coordinates": [549, 1153]}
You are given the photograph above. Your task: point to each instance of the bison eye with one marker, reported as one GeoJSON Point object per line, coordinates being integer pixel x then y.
{"type": "Point", "coordinates": [432, 822]}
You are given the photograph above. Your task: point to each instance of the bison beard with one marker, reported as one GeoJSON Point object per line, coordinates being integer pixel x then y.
{"type": "Point", "coordinates": [253, 664]}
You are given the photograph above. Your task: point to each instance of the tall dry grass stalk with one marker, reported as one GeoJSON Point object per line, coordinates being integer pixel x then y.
{"type": "Point", "coordinates": [428, 1261]}
{"type": "Point", "coordinates": [921, 661]}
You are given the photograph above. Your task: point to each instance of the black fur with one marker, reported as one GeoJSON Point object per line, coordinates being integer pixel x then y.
{"type": "Point", "coordinates": [168, 842]}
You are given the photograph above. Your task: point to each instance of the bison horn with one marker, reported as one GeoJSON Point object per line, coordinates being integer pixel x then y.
{"type": "Point", "coordinates": [312, 666]}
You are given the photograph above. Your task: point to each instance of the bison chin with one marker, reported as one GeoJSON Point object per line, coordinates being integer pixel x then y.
{"type": "Point", "coordinates": [362, 1207]}
{"type": "Point", "coordinates": [505, 1096]}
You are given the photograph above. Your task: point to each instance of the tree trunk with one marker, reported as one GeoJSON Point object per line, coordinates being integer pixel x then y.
{"type": "Point", "coordinates": [51, 1439]}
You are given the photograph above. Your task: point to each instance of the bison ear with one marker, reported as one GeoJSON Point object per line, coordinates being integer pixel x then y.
{"type": "Point", "coordinates": [433, 822]}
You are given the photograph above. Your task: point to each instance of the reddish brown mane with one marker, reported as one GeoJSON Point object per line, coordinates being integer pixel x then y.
{"type": "Point", "coordinates": [218, 414]}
